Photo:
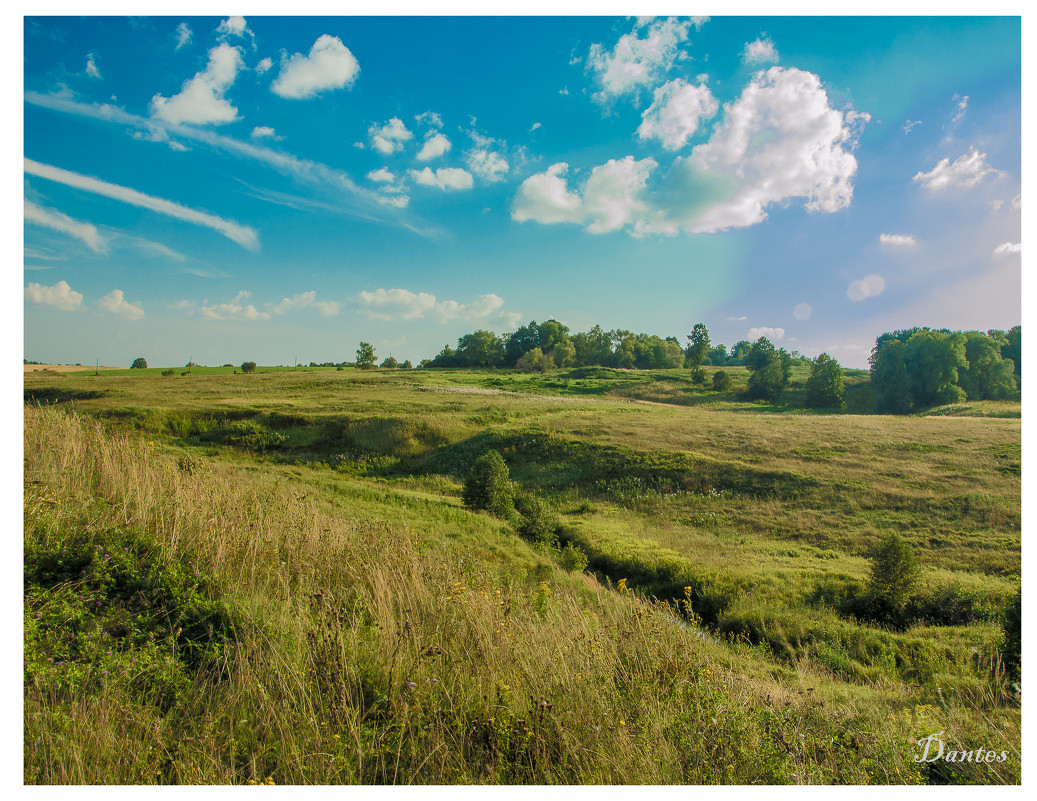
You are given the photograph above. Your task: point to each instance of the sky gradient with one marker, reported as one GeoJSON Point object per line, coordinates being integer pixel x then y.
{"type": "Point", "coordinates": [279, 189]}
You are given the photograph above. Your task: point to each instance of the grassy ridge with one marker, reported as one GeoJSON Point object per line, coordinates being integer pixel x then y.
{"type": "Point", "coordinates": [766, 519]}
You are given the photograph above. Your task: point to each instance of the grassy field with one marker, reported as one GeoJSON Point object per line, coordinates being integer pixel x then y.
{"type": "Point", "coordinates": [271, 577]}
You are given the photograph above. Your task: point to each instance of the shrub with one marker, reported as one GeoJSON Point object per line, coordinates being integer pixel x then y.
{"type": "Point", "coordinates": [698, 376]}
{"type": "Point", "coordinates": [534, 361]}
{"type": "Point", "coordinates": [721, 381]}
{"type": "Point", "coordinates": [825, 386]}
{"type": "Point", "coordinates": [248, 367]}
{"type": "Point", "coordinates": [1011, 647]}
{"type": "Point", "coordinates": [170, 371]}
{"type": "Point", "coordinates": [538, 524]}
{"type": "Point", "coordinates": [894, 572]}
{"type": "Point", "coordinates": [140, 363]}
{"type": "Point", "coordinates": [572, 558]}
{"type": "Point", "coordinates": [488, 486]}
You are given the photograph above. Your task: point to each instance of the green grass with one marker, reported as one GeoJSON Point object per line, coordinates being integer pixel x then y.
{"type": "Point", "coordinates": [754, 520]}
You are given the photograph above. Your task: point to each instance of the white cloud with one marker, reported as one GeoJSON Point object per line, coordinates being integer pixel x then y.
{"type": "Point", "coordinates": [329, 65]}
{"type": "Point", "coordinates": [91, 66]}
{"type": "Point", "coordinates": [636, 61]}
{"type": "Point", "coordinates": [264, 65]}
{"type": "Point", "coordinates": [1017, 202]}
{"type": "Point", "coordinates": [306, 300]}
{"type": "Point", "coordinates": [201, 99]}
{"type": "Point", "coordinates": [909, 124]}
{"type": "Point", "coordinates": [443, 178]}
{"type": "Point", "coordinates": [765, 331]}
{"type": "Point", "coordinates": [870, 286]}
{"type": "Point", "coordinates": [242, 234]}
{"type": "Point", "coordinates": [235, 26]}
{"type": "Point", "coordinates": [60, 296]}
{"type": "Point", "coordinates": [56, 221]}
{"type": "Point", "coordinates": [534, 126]}
{"type": "Point", "coordinates": [759, 51]}
{"type": "Point", "coordinates": [183, 35]}
{"type": "Point", "coordinates": [435, 146]}
{"type": "Point", "coordinates": [966, 171]}
{"type": "Point", "coordinates": [736, 319]}
{"type": "Point", "coordinates": [429, 119]}
{"type": "Point", "coordinates": [675, 112]}
{"type": "Point", "coordinates": [381, 175]}
{"type": "Point", "coordinates": [563, 91]}
{"type": "Point", "coordinates": [780, 139]}
{"type": "Point", "coordinates": [611, 196]}
{"type": "Point", "coordinates": [802, 311]}
{"type": "Point", "coordinates": [959, 109]}
{"type": "Point", "coordinates": [1008, 249]}
{"type": "Point", "coordinates": [389, 138]}
{"type": "Point", "coordinates": [392, 304]}
{"type": "Point", "coordinates": [898, 240]}
{"type": "Point", "coordinates": [265, 132]}
{"type": "Point", "coordinates": [234, 310]}
{"type": "Point", "coordinates": [115, 303]}
{"type": "Point", "coordinates": [487, 164]}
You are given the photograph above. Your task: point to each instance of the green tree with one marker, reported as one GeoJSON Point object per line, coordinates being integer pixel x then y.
{"type": "Point", "coordinates": [986, 376]}
{"type": "Point", "coordinates": [769, 370]}
{"type": "Point", "coordinates": [140, 363]}
{"type": "Point", "coordinates": [365, 356]}
{"type": "Point", "coordinates": [445, 358]}
{"type": "Point", "coordinates": [739, 352]}
{"type": "Point", "coordinates": [522, 340]}
{"type": "Point", "coordinates": [1013, 351]}
{"type": "Point", "coordinates": [889, 379]}
{"type": "Point", "coordinates": [389, 361]}
{"type": "Point", "coordinates": [721, 381]}
{"type": "Point", "coordinates": [698, 345]}
{"type": "Point", "coordinates": [825, 385]}
{"type": "Point", "coordinates": [488, 486]}
{"type": "Point", "coordinates": [534, 361]}
{"type": "Point", "coordinates": [894, 573]}
{"type": "Point", "coordinates": [594, 347]}
{"type": "Point", "coordinates": [480, 349]}
{"type": "Point", "coordinates": [248, 367]}
{"type": "Point", "coordinates": [564, 353]}
{"type": "Point", "coordinates": [933, 359]}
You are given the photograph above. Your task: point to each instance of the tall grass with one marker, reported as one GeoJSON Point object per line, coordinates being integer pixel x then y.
{"type": "Point", "coordinates": [374, 653]}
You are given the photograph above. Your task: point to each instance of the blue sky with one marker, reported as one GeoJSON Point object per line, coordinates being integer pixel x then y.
{"type": "Point", "coordinates": [264, 188]}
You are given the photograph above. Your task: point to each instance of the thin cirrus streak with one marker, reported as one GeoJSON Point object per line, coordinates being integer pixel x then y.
{"type": "Point", "coordinates": [242, 234]}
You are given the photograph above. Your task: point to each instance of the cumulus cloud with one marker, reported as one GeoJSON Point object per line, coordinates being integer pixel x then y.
{"type": "Point", "coordinates": [487, 164]}
{"type": "Point", "coordinates": [381, 175]}
{"type": "Point", "coordinates": [235, 26]}
{"type": "Point", "coordinates": [389, 138]}
{"type": "Point", "coordinates": [759, 51]}
{"type": "Point", "coordinates": [91, 66]}
{"type": "Point", "coordinates": [1008, 249]}
{"type": "Point", "coordinates": [444, 178]}
{"type": "Point", "coordinates": [329, 65]}
{"type": "Point", "coordinates": [115, 303]}
{"type": "Point", "coordinates": [870, 286]}
{"type": "Point", "coordinates": [611, 196]}
{"type": "Point", "coordinates": [56, 221]}
{"type": "Point", "coordinates": [184, 35]}
{"type": "Point", "coordinates": [264, 65]}
{"type": "Point", "coordinates": [436, 144]}
{"type": "Point", "coordinates": [242, 234]}
{"type": "Point", "coordinates": [201, 99]}
{"type": "Point", "coordinates": [966, 171]}
{"type": "Point", "coordinates": [60, 296]}
{"type": "Point", "coordinates": [898, 240]}
{"type": "Point", "coordinates": [429, 119]}
{"type": "Point", "coordinates": [265, 132]}
{"type": "Point", "coordinates": [234, 310]}
{"type": "Point", "coordinates": [675, 112]}
{"type": "Point", "coordinates": [765, 331]}
{"type": "Point", "coordinates": [402, 304]}
{"type": "Point", "coordinates": [306, 300]}
{"type": "Point", "coordinates": [637, 61]}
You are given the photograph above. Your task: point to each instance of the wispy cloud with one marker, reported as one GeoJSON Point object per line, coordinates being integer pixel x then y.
{"type": "Point", "coordinates": [898, 240]}
{"type": "Point", "coordinates": [242, 234]}
{"type": "Point", "coordinates": [56, 221]}
{"type": "Point", "coordinates": [306, 300]}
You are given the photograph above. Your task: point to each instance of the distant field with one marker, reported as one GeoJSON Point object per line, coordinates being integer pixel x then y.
{"type": "Point", "coordinates": [756, 521]}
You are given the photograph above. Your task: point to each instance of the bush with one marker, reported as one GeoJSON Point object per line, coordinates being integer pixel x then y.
{"type": "Point", "coordinates": [538, 524]}
{"type": "Point", "coordinates": [572, 558]}
{"type": "Point", "coordinates": [1011, 647]}
{"type": "Point", "coordinates": [140, 363]}
{"type": "Point", "coordinates": [894, 571]}
{"type": "Point", "coordinates": [170, 371]}
{"type": "Point", "coordinates": [534, 361]}
{"type": "Point", "coordinates": [721, 381]}
{"type": "Point", "coordinates": [488, 486]}
{"type": "Point", "coordinates": [698, 376]}
{"type": "Point", "coordinates": [248, 367]}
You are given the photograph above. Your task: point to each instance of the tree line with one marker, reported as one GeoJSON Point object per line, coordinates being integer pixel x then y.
{"type": "Point", "coordinates": [917, 368]}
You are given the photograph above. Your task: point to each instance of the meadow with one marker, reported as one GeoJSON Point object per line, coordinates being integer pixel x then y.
{"type": "Point", "coordinates": [272, 578]}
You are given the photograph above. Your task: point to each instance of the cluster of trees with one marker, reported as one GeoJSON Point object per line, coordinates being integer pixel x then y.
{"type": "Point", "coordinates": [918, 368]}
